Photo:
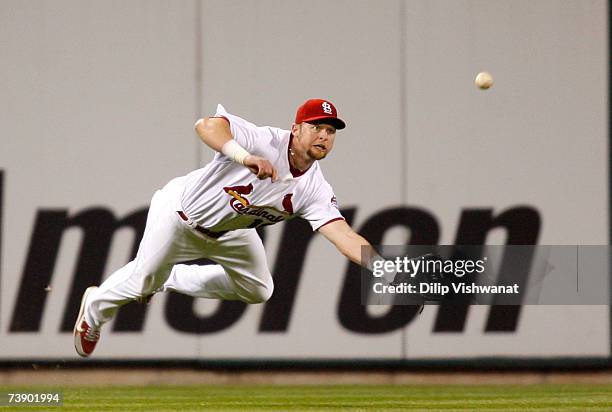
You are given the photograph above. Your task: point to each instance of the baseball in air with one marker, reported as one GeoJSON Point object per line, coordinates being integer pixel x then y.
{"type": "Point", "coordinates": [484, 80]}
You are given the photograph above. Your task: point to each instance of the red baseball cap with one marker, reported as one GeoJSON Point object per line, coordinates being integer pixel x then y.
{"type": "Point", "coordinates": [319, 111]}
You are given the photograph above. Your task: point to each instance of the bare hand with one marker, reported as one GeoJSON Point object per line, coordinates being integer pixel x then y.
{"type": "Point", "coordinates": [260, 167]}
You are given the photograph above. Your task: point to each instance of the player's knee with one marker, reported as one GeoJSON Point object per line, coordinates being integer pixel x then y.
{"type": "Point", "coordinates": [148, 280]}
{"type": "Point", "coordinates": [260, 293]}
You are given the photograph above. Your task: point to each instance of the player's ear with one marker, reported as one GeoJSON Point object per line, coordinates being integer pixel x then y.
{"type": "Point", "coordinates": [294, 128]}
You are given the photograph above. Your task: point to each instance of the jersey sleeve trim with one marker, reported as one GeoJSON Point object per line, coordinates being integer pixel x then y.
{"type": "Point", "coordinates": [330, 221]}
{"type": "Point", "coordinates": [222, 117]}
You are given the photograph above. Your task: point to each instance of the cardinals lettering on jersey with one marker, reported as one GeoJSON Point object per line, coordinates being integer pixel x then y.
{"type": "Point", "coordinates": [240, 203]}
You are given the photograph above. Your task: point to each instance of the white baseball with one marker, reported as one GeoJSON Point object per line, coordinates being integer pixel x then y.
{"type": "Point", "coordinates": [484, 80]}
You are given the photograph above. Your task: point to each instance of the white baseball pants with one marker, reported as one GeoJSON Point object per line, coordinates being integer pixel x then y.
{"type": "Point", "coordinates": [241, 274]}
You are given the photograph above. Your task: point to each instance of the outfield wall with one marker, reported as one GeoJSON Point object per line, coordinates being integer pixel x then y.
{"type": "Point", "coordinates": [98, 109]}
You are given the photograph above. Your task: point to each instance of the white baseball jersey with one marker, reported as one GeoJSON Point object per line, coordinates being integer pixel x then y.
{"type": "Point", "coordinates": [225, 195]}
{"type": "Point", "coordinates": [222, 196]}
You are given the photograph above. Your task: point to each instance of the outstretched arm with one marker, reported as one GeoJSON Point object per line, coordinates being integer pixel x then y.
{"type": "Point", "coordinates": [216, 133]}
{"type": "Point", "coordinates": [359, 250]}
{"type": "Point", "coordinates": [349, 243]}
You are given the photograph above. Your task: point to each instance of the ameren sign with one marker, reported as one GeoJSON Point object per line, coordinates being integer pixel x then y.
{"type": "Point", "coordinates": [98, 226]}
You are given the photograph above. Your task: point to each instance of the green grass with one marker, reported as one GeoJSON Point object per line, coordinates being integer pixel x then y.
{"type": "Point", "coordinates": [334, 398]}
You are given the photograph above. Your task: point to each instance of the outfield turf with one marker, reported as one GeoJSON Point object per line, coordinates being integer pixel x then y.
{"type": "Point", "coordinates": [337, 398]}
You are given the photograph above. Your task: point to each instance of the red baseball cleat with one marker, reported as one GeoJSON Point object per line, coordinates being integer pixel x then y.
{"type": "Point", "coordinates": [85, 336]}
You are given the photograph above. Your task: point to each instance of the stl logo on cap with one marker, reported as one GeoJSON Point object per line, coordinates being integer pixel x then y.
{"type": "Point", "coordinates": [327, 108]}
{"type": "Point", "coordinates": [319, 110]}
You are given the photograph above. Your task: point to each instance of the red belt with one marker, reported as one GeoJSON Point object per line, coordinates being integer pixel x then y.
{"type": "Point", "coordinates": [203, 230]}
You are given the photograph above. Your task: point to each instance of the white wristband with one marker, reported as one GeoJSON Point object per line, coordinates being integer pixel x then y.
{"type": "Point", "coordinates": [234, 151]}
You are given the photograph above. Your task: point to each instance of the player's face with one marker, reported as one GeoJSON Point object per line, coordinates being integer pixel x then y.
{"type": "Point", "coordinates": [316, 140]}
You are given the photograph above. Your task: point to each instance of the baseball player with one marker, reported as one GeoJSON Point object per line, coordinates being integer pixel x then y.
{"type": "Point", "coordinates": [259, 176]}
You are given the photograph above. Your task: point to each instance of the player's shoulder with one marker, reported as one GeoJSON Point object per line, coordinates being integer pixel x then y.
{"type": "Point", "coordinates": [232, 118]}
{"type": "Point", "coordinates": [262, 132]}
{"type": "Point", "coordinates": [317, 182]}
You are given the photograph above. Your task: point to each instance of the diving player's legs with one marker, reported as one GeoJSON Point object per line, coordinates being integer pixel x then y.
{"type": "Point", "coordinates": [147, 272]}
{"type": "Point", "coordinates": [163, 244]}
{"type": "Point", "coordinates": [242, 272]}
{"type": "Point", "coordinates": [202, 281]}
